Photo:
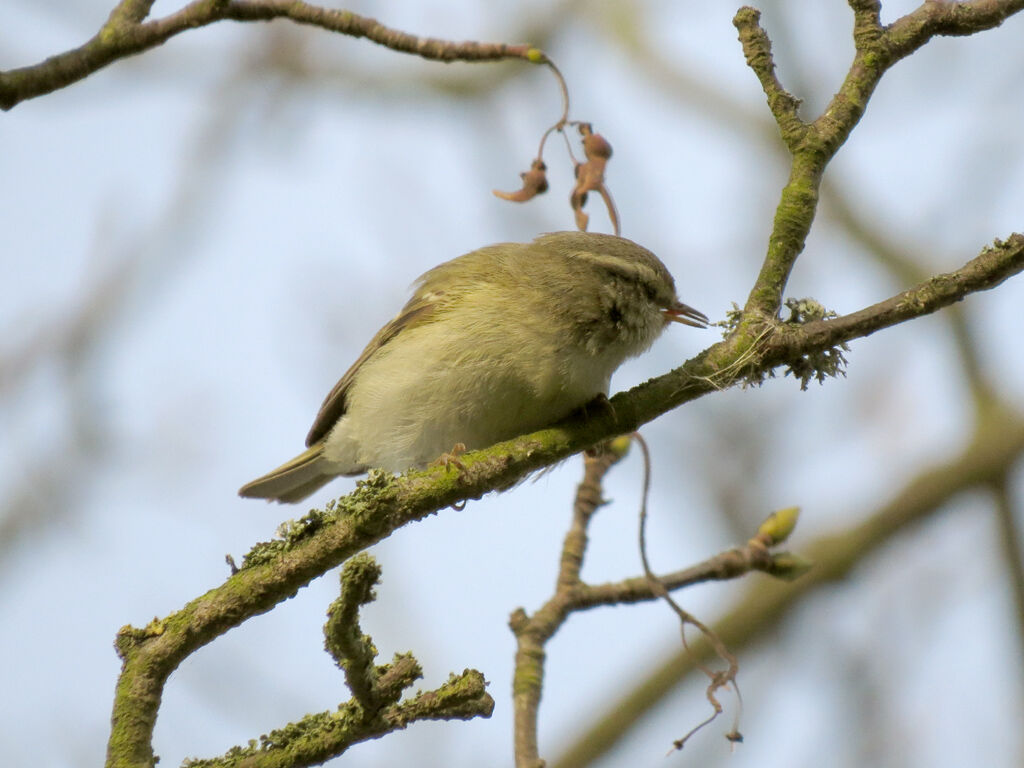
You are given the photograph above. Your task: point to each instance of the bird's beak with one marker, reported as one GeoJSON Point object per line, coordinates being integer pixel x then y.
{"type": "Point", "coordinates": [681, 313]}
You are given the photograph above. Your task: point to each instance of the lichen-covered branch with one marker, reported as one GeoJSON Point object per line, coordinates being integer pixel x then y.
{"type": "Point", "coordinates": [351, 650]}
{"type": "Point", "coordinates": [381, 504]}
{"type": "Point", "coordinates": [126, 33]}
{"type": "Point", "coordinates": [812, 145]}
{"type": "Point", "coordinates": [314, 739]}
{"type": "Point", "coordinates": [752, 352]}
{"type": "Point", "coordinates": [374, 709]}
{"type": "Point", "coordinates": [757, 49]}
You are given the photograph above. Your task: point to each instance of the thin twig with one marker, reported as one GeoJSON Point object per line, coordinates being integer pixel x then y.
{"type": "Point", "coordinates": [126, 33]}
{"type": "Point", "coordinates": [572, 595]}
{"type": "Point", "coordinates": [717, 679]}
{"type": "Point", "coordinates": [996, 447]}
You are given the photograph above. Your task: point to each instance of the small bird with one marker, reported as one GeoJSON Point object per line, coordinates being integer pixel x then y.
{"type": "Point", "coordinates": [493, 344]}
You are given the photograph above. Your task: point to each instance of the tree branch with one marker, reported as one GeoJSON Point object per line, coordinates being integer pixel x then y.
{"type": "Point", "coordinates": [125, 34]}
{"type": "Point", "coordinates": [351, 650]}
{"type": "Point", "coordinates": [813, 145]}
{"type": "Point", "coordinates": [1012, 544]}
{"type": "Point", "coordinates": [757, 49]}
{"type": "Point", "coordinates": [314, 739]}
{"type": "Point", "coordinates": [374, 709]}
{"type": "Point", "coordinates": [935, 19]}
{"type": "Point", "coordinates": [381, 504]}
{"type": "Point", "coordinates": [573, 595]}
{"type": "Point", "coordinates": [991, 267]}
{"type": "Point", "coordinates": [997, 445]}
{"type": "Point", "coordinates": [532, 633]}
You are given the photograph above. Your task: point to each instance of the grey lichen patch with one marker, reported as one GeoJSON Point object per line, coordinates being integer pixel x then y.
{"type": "Point", "coordinates": [930, 294]}
{"type": "Point", "coordinates": [821, 364]}
{"type": "Point", "coordinates": [827, 363]}
{"type": "Point", "coordinates": [733, 317]}
{"type": "Point", "coordinates": [377, 479]}
{"type": "Point", "coordinates": [289, 533]}
{"type": "Point", "coordinates": [807, 310]}
{"type": "Point", "coordinates": [292, 532]}
{"type": "Point", "coordinates": [313, 729]}
{"type": "Point", "coordinates": [750, 334]}
{"type": "Point", "coordinates": [366, 498]}
{"type": "Point", "coordinates": [263, 553]}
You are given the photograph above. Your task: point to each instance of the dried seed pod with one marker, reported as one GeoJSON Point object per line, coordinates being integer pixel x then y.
{"type": "Point", "coordinates": [535, 182]}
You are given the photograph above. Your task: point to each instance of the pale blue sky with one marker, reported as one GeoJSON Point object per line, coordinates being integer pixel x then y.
{"type": "Point", "coordinates": [265, 228]}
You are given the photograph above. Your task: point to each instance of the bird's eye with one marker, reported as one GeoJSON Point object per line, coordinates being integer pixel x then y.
{"type": "Point", "coordinates": [615, 314]}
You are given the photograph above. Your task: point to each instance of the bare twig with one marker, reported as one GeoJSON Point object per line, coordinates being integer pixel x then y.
{"type": "Point", "coordinates": [997, 445]}
{"type": "Point", "coordinates": [573, 595]}
{"type": "Point", "coordinates": [717, 679]}
{"type": "Point", "coordinates": [532, 632]}
{"type": "Point", "coordinates": [126, 33]}
{"type": "Point", "coordinates": [758, 51]}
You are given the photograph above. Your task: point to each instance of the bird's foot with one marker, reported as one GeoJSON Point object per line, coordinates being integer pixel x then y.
{"type": "Point", "coordinates": [451, 458]}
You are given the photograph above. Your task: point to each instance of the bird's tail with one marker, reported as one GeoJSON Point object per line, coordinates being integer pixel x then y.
{"type": "Point", "coordinates": [294, 480]}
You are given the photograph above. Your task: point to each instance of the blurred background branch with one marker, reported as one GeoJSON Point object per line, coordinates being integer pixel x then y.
{"type": "Point", "coordinates": [995, 448]}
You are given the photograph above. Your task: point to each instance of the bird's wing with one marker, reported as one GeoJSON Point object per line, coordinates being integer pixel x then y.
{"type": "Point", "coordinates": [420, 307]}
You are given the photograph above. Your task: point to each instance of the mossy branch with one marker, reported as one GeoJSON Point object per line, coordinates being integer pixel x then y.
{"type": "Point", "coordinates": [382, 503]}
{"type": "Point", "coordinates": [353, 651]}
{"type": "Point", "coordinates": [812, 145]}
{"type": "Point", "coordinates": [374, 709]}
{"type": "Point", "coordinates": [317, 738]}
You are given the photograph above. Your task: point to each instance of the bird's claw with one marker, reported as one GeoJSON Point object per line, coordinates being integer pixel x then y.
{"type": "Point", "coordinates": [451, 458]}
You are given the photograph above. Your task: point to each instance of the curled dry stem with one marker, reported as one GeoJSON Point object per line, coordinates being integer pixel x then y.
{"type": "Point", "coordinates": [589, 173]}
{"type": "Point", "coordinates": [718, 679]}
